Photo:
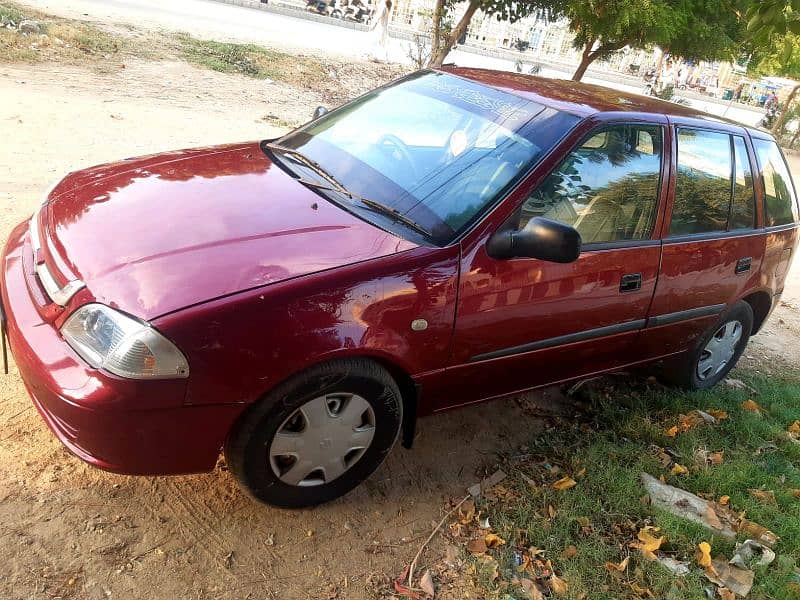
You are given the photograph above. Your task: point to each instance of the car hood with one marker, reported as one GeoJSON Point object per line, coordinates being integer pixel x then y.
{"type": "Point", "coordinates": [156, 234]}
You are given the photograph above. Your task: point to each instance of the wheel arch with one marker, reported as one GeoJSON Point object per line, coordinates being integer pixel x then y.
{"type": "Point", "coordinates": [761, 303]}
{"type": "Point", "coordinates": [409, 390]}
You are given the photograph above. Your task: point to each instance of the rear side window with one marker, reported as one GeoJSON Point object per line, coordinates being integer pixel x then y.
{"type": "Point", "coordinates": [781, 202]}
{"type": "Point", "coordinates": [607, 188]}
{"type": "Point", "coordinates": [704, 183]}
{"type": "Point", "coordinates": [743, 209]}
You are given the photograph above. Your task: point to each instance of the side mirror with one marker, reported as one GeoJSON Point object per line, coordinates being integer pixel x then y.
{"type": "Point", "coordinates": [318, 112]}
{"type": "Point", "coordinates": [542, 238]}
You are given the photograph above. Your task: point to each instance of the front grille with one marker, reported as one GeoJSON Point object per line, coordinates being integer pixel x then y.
{"type": "Point", "coordinates": [59, 295]}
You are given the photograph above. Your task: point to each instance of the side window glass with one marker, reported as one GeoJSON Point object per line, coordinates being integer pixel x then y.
{"type": "Point", "coordinates": [703, 184]}
{"type": "Point", "coordinates": [607, 188]}
{"type": "Point", "coordinates": [781, 202]}
{"type": "Point", "coordinates": [743, 209]}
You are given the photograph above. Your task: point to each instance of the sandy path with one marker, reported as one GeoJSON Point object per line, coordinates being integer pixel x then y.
{"type": "Point", "coordinates": [200, 537]}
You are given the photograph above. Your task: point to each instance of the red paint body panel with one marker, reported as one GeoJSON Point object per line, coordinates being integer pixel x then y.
{"type": "Point", "coordinates": [154, 235]}
{"type": "Point", "coordinates": [132, 427]}
{"type": "Point", "coordinates": [255, 278]}
{"type": "Point", "coordinates": [264, 336]}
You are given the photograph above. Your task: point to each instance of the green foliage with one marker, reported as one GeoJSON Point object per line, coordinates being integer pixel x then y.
{"type": "Point", "coordinates": [617, 23]}
{"type": "Point", "coordinates": [781, 57]}
{"type": "Point", "coordinates": [10, 13]}
{"type": "Point", "coordinates": [705, 29]}
{"type": "Point", "coordinates": [773, 17]}
{"type": "Point", "coordinates": [628, 425]}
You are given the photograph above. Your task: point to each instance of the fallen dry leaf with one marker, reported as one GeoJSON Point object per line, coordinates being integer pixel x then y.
{"type": "Point", "coordinates": [726, 594]}
{"type": "Point", "coordinates": [426, 584]}
{"type": "Point", "coordinates": [477, 546]}
{"type": "Point", "coordinates": [763, 496]}
{"type": "Point", "coordinates": [703, 554]}
{"type": "Point", "coordinates": [569, 552]}
{"type": "Point", "coordinates": [640, 591]}
{"type": "Point", "coordinates": [618, 567]}
{"type": "Point", "coordinates": [401, 588]}
{"type": "Point", "coordinates": [752, 406]}
{"type": "Point", "coordinates": [492, 540]}
{"type": "Point", "coordinates": [757, 532]}
{"type": "Point", "coordinates": [565, 483]}
{"type": "Point", "coordinates": [672, 431]}
{"type": "Point", "coordinates": [678, 469]}
{"type": "Point", "coordinates": [719, 415]}
{"type": "Point", "coordinates": [558, 585]}
{"type": "Point", "coordinates": [551, 511]}
{"type": "Point", "coordinates": [529, 588]}
{"type": "Point", "coordinates": [467, 512]}
{"type": "Point", "coordinates": [716, 458]}
{"type": "Point", "coordinates": [647, 541]}
{"type": "Point", "coordinates": [724, 500]}
{"type": "Point", "coordinates": [794, 428]}
{"type": "Point", "coordinates": [795, 492]}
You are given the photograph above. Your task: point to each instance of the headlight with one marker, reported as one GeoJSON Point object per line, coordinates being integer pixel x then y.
{"type": "Point", "coordinates": [110, 340]}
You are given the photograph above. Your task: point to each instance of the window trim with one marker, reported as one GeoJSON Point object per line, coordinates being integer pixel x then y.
{"type": "Point", "coordinates": [732, 174]}
{"type": "Point", "coordinates": [663, 182]}
{"type": "Point", "coordinates": [733, 183]}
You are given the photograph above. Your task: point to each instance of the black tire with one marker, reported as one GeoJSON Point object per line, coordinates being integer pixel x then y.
{"type": "Point", "coordinates": [683, 371]}
{"type": "Point", "coordinates": [248, 444]}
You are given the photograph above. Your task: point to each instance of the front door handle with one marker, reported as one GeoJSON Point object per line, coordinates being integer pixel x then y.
{"type": "Point", "coordinates": [743, 265]}
{"type": "Point", "coordinates": [630, 282]}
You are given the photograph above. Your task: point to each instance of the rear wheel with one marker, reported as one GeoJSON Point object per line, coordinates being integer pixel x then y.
{"type": "Point", "coordinates": [716, 353]}
{"type": "Point", "coordinates": [317, 436]}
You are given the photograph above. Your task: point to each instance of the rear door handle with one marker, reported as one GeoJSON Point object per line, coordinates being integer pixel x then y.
{"type": "Point", "coordinates": [743, 265]}
{"type": "Point", "coordinates": [630, 282]}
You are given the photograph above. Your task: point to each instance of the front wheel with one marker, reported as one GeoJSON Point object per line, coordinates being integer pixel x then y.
{"type": "Point", "coordinates": [318, 435]}
{"type": "Point", "coordinates": [716, 353]}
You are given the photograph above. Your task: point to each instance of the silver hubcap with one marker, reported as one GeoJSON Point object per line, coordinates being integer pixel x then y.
{"type": "Point", "coordinates": [719, 350]}
{"type": "Point", "coordinates": [322, 439]}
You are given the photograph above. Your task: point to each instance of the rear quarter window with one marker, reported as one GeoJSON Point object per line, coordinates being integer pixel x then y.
{"type": "Point", "coordinates": [781, 201]}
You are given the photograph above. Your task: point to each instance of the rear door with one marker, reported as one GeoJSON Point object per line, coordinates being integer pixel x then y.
{"type": "Point", "coordinates": [712, 247]}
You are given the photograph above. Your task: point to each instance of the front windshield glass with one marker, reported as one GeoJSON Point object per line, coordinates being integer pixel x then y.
{"type": "Point", "coordinates": [436, 148]}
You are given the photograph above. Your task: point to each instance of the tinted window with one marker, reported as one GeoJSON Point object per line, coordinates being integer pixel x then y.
{"type": "Point", "coordinates": [433, 147]}
{"type": "Point", "coordinates": [703, 185]}
{"type": "Point", "coordinates": [743, 209]}
{"type": "Point", "coordinates": [607, 188]}
{"type": "Point", "coordinates": [781, 201]}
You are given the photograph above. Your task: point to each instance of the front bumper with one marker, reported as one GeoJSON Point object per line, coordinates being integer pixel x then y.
{"type": "Point", "coordinates": [120, 425]}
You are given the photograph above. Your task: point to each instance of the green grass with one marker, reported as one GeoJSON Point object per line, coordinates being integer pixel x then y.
{"type": "Point", "coordinates": [10, 13]}
{"type": "Point", "coordinates": [248, 59]}
{"type": "Point", "coordinates": [615, 444]}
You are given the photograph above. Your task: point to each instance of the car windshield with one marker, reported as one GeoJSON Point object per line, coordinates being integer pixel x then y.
{"type": "Point", "coordinates": [433, 149]}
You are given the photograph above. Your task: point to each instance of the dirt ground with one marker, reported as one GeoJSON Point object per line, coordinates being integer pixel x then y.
{"type": "Point", "coordinates": [69, 530]}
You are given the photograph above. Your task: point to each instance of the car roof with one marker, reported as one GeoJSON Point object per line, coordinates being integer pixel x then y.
{"type": "Point", "coordinates": [584, 99]}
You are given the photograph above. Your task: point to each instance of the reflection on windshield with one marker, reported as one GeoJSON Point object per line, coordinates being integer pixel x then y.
{"type": "Point", "coordinates": [434, 147]}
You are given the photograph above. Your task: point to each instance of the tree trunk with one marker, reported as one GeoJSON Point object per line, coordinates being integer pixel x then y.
{"type": "Point", "coordinates": [436, 31]}
{"type": "Point", "coordinates": [589, 55]}
{"type": "Point", "coordinates": [776, 130]}
{"type": "Point", "coordinates": [586, 59]}
{"type": "Point", "coordinates": [794, 138]}
{"type": "Point", "coordinates": [439, 54]}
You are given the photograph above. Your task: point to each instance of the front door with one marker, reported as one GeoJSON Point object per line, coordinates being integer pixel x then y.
{"type": "Point", "coordinates": [524, 322]}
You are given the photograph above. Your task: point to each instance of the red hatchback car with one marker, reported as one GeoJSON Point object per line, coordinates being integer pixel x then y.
{"type": "Point", "coordinates": [455, 236]}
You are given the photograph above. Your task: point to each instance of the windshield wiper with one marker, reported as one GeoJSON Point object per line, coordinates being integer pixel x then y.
{"type": "Point", "coordinates": [311, 164]}
{"type": "Point", "coordinates": [373, 205]}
